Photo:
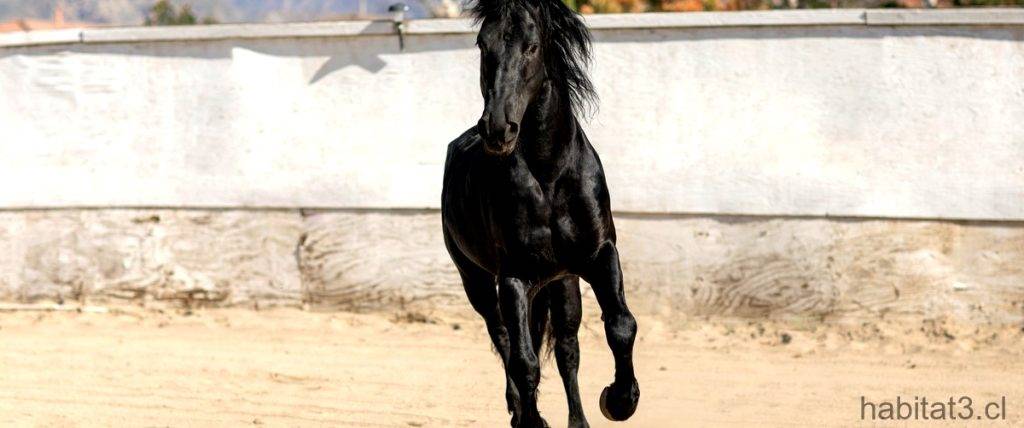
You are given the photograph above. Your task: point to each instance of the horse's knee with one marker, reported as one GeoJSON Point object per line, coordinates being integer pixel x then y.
{"type": "Point", "coordinates": [569, 343]}
{"type": "Point", "coordinates": [527, 368]}
{"type": "Point", "coordinates": [621, 330]}
{"type": "Point", "coordinates": [565, 325]}
{"type": "Point", "coordinates": [565, 332]}
{"type": "Point", "coordinates": [567, 355]}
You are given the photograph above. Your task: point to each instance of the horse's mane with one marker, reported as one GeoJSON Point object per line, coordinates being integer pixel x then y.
{"type": "Point", "coordinates": [567, 45]}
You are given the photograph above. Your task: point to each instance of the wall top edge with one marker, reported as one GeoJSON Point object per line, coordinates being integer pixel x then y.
{"type": "Point", "coordinates": [854, 215]}
{"type": "Point", "coordinates": [968, 17]}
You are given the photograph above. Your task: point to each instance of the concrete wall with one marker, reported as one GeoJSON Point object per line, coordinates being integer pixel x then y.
{"type": "Point", "coordinates": [730, 139]}
{"type": "Point", "coordinates": [364, 260]}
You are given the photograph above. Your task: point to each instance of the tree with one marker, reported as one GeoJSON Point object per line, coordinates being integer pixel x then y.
{"type": "Point", "coordinates": [164, 13]}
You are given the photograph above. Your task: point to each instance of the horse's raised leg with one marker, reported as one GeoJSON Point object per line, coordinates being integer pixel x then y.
{"type": "Point", "coordinates": [523, 366]}
{"type": "Point", "coordinates": [566, 311]}
{"type": "Point", "coordinates": [618, 400]}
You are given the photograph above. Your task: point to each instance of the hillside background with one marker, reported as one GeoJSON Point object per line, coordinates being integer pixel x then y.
{"type": "Point", "coordinates": [133, 12]}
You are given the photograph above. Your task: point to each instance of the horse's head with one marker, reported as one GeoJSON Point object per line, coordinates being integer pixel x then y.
{"type": "Point", "coordinates": [523, 44]}
{"type": "Point", "coordinates": [511, 74]}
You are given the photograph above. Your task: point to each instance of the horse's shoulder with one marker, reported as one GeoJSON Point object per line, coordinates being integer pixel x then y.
{"type": "Point", "coordinates": [463, 146]}
{"type": "Point", "coordinates": [465, 142]}
{"type": "Point", "coordinates": [459, 153]}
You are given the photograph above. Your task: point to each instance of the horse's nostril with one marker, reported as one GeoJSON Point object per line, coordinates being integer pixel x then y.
{"type": "Point", "coordinates": [512, 129]}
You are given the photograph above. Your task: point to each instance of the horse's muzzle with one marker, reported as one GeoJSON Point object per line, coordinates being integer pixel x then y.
{"type": "Point", "coordinates": [499, 138]}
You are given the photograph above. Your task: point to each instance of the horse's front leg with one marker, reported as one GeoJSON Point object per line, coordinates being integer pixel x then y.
{"type": "Point", "coordinates": [618, 400]}
{"type": "Point", "coordinates": [523, 366]}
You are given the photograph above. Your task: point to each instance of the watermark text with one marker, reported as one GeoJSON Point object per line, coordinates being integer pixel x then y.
{"type": "Point", "coordinates": [922, 409]}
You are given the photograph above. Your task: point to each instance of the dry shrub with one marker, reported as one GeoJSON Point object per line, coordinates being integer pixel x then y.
{"type": "Point", "coordinates": [614, 6]}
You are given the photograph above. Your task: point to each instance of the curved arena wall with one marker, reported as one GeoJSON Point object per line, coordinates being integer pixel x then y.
{"type": "Point", "coordinates": [828, 163]}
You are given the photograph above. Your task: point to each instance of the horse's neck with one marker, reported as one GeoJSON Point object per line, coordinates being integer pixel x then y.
{"type": "Point", "coordinates": [550, 136]}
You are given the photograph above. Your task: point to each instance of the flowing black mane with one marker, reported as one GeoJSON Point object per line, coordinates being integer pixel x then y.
{"type": "Point", "coordinates": [566, 43]}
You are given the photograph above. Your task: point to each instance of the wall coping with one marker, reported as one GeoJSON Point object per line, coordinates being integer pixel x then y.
{"type": "Point", "coordinates": [884, 17]}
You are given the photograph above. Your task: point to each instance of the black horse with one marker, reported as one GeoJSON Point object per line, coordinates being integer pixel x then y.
{"type": "Point", "coordinates": [525, 207]}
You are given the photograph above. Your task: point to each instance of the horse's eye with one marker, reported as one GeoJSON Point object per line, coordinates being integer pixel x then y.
{"type": "Point", "coordinates": [531, 48]}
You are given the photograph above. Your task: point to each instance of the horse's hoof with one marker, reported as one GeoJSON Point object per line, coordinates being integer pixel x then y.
{"type": "Point", "coordinates": [539, 422]}
{"type": "Point", "coordinates": [580, 423]}
{"type": "Point", "coordinates": [619, 404]}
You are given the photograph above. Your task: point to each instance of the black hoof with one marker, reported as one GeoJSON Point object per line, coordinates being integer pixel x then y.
{"type": "Point", "coordinates": [537, 422]}
{"type": "Point", "coordinates": [580, 423]}
{"type": "Point", "coordinates": [618, 404]}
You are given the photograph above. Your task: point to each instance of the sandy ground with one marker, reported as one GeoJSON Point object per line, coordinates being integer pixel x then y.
{"type": "Point", "coordinates": [287, 367]}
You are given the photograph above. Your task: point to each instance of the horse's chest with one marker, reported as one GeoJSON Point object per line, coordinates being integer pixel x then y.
{"type": "Point", "coordinates": [536, 220]}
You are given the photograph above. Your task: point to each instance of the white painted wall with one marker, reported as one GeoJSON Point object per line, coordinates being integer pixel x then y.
{"type": "Point", "coordinates": [806, 113]}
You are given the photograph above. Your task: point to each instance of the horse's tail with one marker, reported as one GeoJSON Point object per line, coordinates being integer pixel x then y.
{"type": "Point", "coordinates": [540, 324]}
{"type": "Point", "coordinates": [549, 340]}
